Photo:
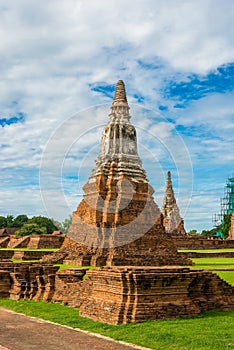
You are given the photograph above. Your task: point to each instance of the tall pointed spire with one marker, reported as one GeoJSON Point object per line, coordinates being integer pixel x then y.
{"type": "Point", "coordinates": [120, 107]}
{"type": "Point", "coordinates": [172, 220]}
{"type": "Point", "coordinates": [120, 93]}
{"type": "Point", "coordinates": [119, 141]}
{"type": "Point", "coordinates": [169, 198]}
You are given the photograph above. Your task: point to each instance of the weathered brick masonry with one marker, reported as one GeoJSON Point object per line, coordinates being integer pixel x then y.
{"type": "Point", "coordinates": [201, 243]}
{"type": "Point", "coordinates": [136, 294]}
{"type": "Point", "coordinates": [23, 254]}
{"type": "Point", "coordinates": [69, 287]}
{"type": "Point", "coordinates": [35, 241]}
{"type": "Point", "coordinates": [27, 281]}
{"type": "Point", "coordinates": [231, 230]}
{"type": "Point", "coordinates": [119, 294]}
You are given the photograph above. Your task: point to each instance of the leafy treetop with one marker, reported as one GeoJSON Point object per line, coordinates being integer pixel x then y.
{"type": "Point", "coordinates": [31, 229]}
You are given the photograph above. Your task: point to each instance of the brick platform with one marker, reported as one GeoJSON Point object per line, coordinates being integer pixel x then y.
{"type": "Point", "coordinates": [135, 294]}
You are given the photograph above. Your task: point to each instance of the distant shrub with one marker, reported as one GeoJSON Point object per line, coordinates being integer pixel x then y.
{"type": "Point", "coordinates": [31, 229]}
{"type": "Point", "coordinates": [44, 222]}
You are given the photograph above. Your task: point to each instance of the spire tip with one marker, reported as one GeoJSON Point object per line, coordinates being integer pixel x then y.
{"type": "Point", "coordinates": [120, 93]}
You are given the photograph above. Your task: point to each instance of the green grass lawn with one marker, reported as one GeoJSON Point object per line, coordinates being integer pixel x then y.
{"type": "Point", "coordinates": [64, 266]}
{"type": "Point", "coordinates": [216, 263]}
{"type": "Point", "coordinates": [209, 263]}
{"type": "Point", "coordinates": [227, 276]}
{"type": "Point", "coordinates": [210, 331]}
{"type": "Point", "coordinates": [223, 250]}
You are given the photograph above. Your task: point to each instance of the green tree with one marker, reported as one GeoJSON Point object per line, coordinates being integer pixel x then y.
{"type": "Point", "coordinates": [20, 220]}
{"type": "Point", "coordinates": [31, 229]}
{"type": "Point", "coordinates": [3, 222]}
{"type": "Point", "coordinates": [43, 221]}
{"type": "Point", "coordinates": [10, 221]}
{"type": "Point", "coordinates": [193, 232]}
{"type": "Point", "coordinates": [211, 232]}
{"type": "Point", "coordinates": [226, 223]}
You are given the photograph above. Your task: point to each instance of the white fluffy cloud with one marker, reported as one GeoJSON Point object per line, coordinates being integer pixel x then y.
{"type": "Point", "coordinates": [53, 53]}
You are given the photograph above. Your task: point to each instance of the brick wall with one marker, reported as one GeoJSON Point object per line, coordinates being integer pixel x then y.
{"type": "Point", "coordinates": [22, 255]}
{"type": "Point", "coordinates": [202, 243]}
{"type": "Point", "coordinates": [46, 241]}
{"type": "Point", "coordinates": [39, 241]}
{"type": "Point", "coordinates": [28, 280]}
{"type": "Point", "coordinates": [68, 286]}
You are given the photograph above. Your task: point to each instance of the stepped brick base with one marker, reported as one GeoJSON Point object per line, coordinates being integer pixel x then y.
{"type": "Point", "coordinates": [150, 250]}
{"type": "Point", "coordinates": [130, 236]}
{"type": "Point", "coordinates": [135, 294]}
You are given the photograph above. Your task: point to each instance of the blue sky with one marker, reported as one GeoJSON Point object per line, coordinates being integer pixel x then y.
{"type": "Point", "coordinates": [59, 65]}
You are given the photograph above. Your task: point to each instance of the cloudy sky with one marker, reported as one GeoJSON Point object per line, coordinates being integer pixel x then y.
{"type": "Point", "coordinates": [59, 63]}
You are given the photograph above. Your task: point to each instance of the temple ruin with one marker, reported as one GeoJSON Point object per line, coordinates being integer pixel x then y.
{"type": "Point", "coordinates": [172, 220]}
{"type": "Point", "coordinates": [118, 221]}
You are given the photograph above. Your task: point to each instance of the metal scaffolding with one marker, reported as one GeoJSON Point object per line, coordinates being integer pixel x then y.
{"type": "Point", "coordinates": [226, 203]}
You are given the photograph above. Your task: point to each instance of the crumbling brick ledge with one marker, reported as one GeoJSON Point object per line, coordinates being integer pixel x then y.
{"type": "Point", "coordinates": [119, 294]}
{"type": "Point", "coordinates": [135, 294]}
